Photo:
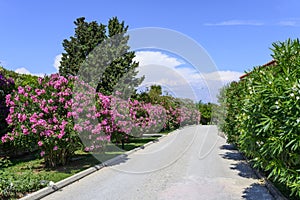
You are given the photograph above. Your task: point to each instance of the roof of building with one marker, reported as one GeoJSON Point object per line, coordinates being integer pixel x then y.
{"type": "Point", "coordinates": [271, 63]}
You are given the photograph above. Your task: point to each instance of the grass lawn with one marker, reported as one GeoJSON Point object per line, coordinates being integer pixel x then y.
{"type": "Point", "coordinates": [28, 174]}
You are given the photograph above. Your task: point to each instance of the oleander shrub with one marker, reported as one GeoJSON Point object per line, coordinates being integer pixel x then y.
{"type": "Point", "coordinates": [180, 112]}
{"type": "Point", "coordinates": [134, 118]}
{"type": "Point", "coordinates": [263, 115]}
{"type": "Point", "coordinates": [45, 118]}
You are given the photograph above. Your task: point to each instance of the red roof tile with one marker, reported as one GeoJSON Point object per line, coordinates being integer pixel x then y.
{"type": "Point", "coordinates": [271, 63]}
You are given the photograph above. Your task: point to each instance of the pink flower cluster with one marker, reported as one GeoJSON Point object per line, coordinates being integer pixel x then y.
{"type": "Point", "coordinates": [134, 118]}
{"type": "Point", "coordinates": [62, 113]}
{"type": "Point", "coordinates": [181, 115]}
{"type": "Point", "coordinates": [47, 114]}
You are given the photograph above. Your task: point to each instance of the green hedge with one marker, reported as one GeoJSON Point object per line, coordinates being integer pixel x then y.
{"type": "Point", "coordinates": [19, 79]}
{"type": "Point", "coordinates": [263, 115]}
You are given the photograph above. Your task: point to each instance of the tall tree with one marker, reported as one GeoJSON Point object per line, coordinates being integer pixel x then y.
{"type": "Point", "coordinates": [87, 37]}
{"type": "Point", "coordinates": [121, 73]}
{"type": "Point", "coordinates": [155, 93]}
{"type": "Point", "coordinates": [100, 55]}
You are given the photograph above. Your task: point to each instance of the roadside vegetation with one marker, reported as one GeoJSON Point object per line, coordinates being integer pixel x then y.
{"type": "Point", "coordinates": [262, 117]}
{"type": "Point", "coordinates": [51, 125]}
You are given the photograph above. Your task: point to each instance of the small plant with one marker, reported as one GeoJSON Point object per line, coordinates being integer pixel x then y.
{"type": "Point", "coordinates": [17, 184]}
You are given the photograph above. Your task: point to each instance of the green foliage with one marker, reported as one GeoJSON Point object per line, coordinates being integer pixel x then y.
{"type": "Point", "coordinates": [155, 93]}
{"type": "Point", "coordinates": [263, 115]}
{"type": "Point", "coordinates": [4, 162]}
{"type": "Point", "coordinates": [100, 54]}
{"type": "Point", "coordinates": [20, 79]}
{"type": "Point", "coordinates": [208, 112]}
{"type": "Point", "coordinates": [15, 185]}
{"type": "Point", "coordinates": [87, 37]}
{"type": "Point", "coordinates": [230, 100]}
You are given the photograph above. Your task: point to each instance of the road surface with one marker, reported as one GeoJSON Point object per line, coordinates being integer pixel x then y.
{"type": "Point", "coordinates": [191, 163]}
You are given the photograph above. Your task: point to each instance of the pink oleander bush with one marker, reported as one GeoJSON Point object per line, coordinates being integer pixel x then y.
{"type": "Point", "coordinates": [133, 118]}
{"type": "Point", "coordinates": [61, 115]}
{"type": "Point", "coordinates": [44, 116]}
{"type": "Point", "coordinates": [188, 116]}
{"type": "Point", "coordinates": [180, 114]}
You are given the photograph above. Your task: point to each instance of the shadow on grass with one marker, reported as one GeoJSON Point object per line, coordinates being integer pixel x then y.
{"type": "Point", "coordinates": [28, 157]}
{"type": "Point", "coordinates": [79, 162]}
{"type": "Point", "coordinates": [115, 150]}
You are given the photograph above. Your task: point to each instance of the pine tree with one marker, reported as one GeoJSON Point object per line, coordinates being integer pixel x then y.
{"type": "Point", "coordinates": [87, 37]}
{"type": "Point", "coordinates": [100, 55]}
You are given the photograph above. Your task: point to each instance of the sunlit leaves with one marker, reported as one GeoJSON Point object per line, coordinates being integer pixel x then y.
{"type": "Point", "coordinates": [263, 115]}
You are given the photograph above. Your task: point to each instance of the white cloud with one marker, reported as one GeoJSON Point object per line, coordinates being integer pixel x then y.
{"type": "Point", "coordinates": [224, 76]}
{"type": "Point", "coordinates": [161, 69]}
{"type": "Point", "coordinates": [155, 58]}
{"type": "Point", "coordinates": [23, 70]}
{"type": "Point", "coordinates": [289, 23]}
{"type": "Point", "coordinates": [207, 85]}
{"type": "Point", "coordinates": [57, 60]}
{"type": "Point", "coordinates": [236, 23]}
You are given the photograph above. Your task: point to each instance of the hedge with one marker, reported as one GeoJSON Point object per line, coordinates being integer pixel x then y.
{"type": "Point", "coordinates": [263, 115]}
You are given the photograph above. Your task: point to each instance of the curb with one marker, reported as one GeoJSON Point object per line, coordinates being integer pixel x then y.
{"type": "Point", "coordinates": [269, 185]}
{"type": "Point", "coordinates": [59, 185]}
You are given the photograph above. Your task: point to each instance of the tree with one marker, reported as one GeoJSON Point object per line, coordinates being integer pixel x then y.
{"type": "Point", "coordinates": [87, 37]}
{"type": "Point", "coordinates": [208, 112]}
{"type": "Point", "coordinates": [101, 56]}
{"type": "Point", "coordinates": [155, 93]}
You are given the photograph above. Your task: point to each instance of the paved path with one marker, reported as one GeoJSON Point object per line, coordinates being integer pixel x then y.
{"type": "Point", "coordinates": [193, 163]}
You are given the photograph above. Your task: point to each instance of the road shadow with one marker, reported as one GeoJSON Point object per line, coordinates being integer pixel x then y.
{"type": "Point", "coordinates": [244, 170]}
{"type": "Point", "coordinates": [111, 159]}
{"type": "Point", "coordinates": [228, 147]}
{"type": "Point", "coordinates": [241, 165]}
{"type": "Point", "coordinates": [256, 190]}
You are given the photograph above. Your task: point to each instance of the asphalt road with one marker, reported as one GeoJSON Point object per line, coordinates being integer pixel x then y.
{"type": "Point", "coordinates": [191, 163]}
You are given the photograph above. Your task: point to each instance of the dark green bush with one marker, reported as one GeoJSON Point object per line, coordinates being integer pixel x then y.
{"type": "Point", "coordinates": [263, 115]}
{"type": "Point", "coordinates": [6, 87]}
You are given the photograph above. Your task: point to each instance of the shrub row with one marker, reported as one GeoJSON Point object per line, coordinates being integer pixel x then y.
{"type": "Point", "coordinates": [61, 115]}
{"type": "Point", "coordinates": [263, 115]}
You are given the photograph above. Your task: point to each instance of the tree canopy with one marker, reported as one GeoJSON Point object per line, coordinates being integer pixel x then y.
{"type": "Point", "coordinates": [100, 54]}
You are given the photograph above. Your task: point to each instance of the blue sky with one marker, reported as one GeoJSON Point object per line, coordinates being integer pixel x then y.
{"type": "Point", "coordinates": [237, 34]}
